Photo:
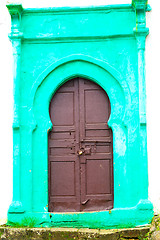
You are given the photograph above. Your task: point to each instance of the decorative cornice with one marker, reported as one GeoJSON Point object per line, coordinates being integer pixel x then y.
{"type": "Point", "coordinates": [15, 11]}
{"type": "Point", "coordinates": [76, 10]}
{"type": "Point", "coordinates": [141, 34]}
{"type": "Point", "coordinates": [50, 38]}
{"type": "Point", "coordinates": [140, 4]}
{"type": "Point", "coordinates": [15, 36]}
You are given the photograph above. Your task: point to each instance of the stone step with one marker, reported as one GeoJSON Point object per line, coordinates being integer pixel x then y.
{"type": "Point", "coordinates": [11, 233]}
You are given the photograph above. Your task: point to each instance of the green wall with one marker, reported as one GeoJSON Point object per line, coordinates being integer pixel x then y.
{"type": "Point", "coordinates": [103, 44]}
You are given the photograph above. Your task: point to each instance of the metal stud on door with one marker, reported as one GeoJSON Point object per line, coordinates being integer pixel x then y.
{"type": "Point", "coordinates": [80, 149]}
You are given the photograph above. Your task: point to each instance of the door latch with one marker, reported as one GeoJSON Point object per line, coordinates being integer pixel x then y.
{"type": "Point", "coordinates": [87, 150]}
{"type": "Point", "coordinates": [80, 152]}
{"type": "Point", "coordinates": [83, 203]}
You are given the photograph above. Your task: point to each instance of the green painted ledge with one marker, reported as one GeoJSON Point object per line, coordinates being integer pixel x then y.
{"type": "Point", "coordinates": [140, 215]}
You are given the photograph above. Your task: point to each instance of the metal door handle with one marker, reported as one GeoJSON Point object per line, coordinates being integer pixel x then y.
{"type": "Point", "coordinates": [80, 152]}
{"type": "Point", "coordinates": [83, 203]}
{"type": "Point", "coordinates": [86, 150]}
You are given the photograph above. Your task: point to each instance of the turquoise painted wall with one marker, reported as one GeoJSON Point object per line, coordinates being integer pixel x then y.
{"type": "Point", "coordinates": [105, 45]}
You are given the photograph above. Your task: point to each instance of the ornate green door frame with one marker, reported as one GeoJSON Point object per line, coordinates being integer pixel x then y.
{"type": "Point", "coordinates": [105, 45]}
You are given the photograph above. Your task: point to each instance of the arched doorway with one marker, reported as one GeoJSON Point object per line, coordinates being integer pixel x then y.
{"type": "Point", "coordinates": [80, 149]}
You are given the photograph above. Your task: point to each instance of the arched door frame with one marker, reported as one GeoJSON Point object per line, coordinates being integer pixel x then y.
{"type": "Point", "coordinates": [116, 88]}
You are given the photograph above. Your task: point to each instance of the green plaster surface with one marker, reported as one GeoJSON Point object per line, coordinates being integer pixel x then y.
{"type": "Point", "coordinates": [102, 44]}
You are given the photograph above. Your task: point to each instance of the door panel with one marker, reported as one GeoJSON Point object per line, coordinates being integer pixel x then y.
{"type": "Point", "coordinates": [65, 99]}
{"type": "Point", "coordinates": [67, 182]}
{"type": "Point", "coordinates": [93, 100]}
{"type": "Point", "coordinates": [96, 142]}
{"type": "Point", "coordinates": [100, 168]}
{"type": "Point", "coordinates": [80, 149]}
{"type": "Point", "coordinates": [64, 176]}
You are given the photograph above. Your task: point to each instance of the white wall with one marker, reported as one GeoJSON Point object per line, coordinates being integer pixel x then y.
{"type": "Point", "coordinates": [6, 99]}
{"type": "Point", "coordinates": [153, 102]}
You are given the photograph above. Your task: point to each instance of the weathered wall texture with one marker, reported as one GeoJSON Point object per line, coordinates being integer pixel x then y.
{"type": "Point", "coordinates": [6, 174]}
{"type": "Point", "coordinates": [52, 46]}
{"type": "Point", "coordinates": [70, 234]}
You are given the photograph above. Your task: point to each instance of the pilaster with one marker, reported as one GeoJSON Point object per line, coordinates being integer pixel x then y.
{"type": "Point", "coordinates": [15, 11]}
{"type": "Point", "coordinates": [141, 32]}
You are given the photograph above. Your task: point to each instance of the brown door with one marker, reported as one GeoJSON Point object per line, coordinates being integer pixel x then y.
{"type": "Point", "coordinates": [80, 149]}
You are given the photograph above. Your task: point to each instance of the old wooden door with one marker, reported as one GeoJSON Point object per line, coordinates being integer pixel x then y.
{"type": "Point", "coordinates": [80, 149]}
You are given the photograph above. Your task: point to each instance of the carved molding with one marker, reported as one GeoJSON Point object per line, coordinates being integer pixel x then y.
{"type": "Point", "coordinates": [15, 11]}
